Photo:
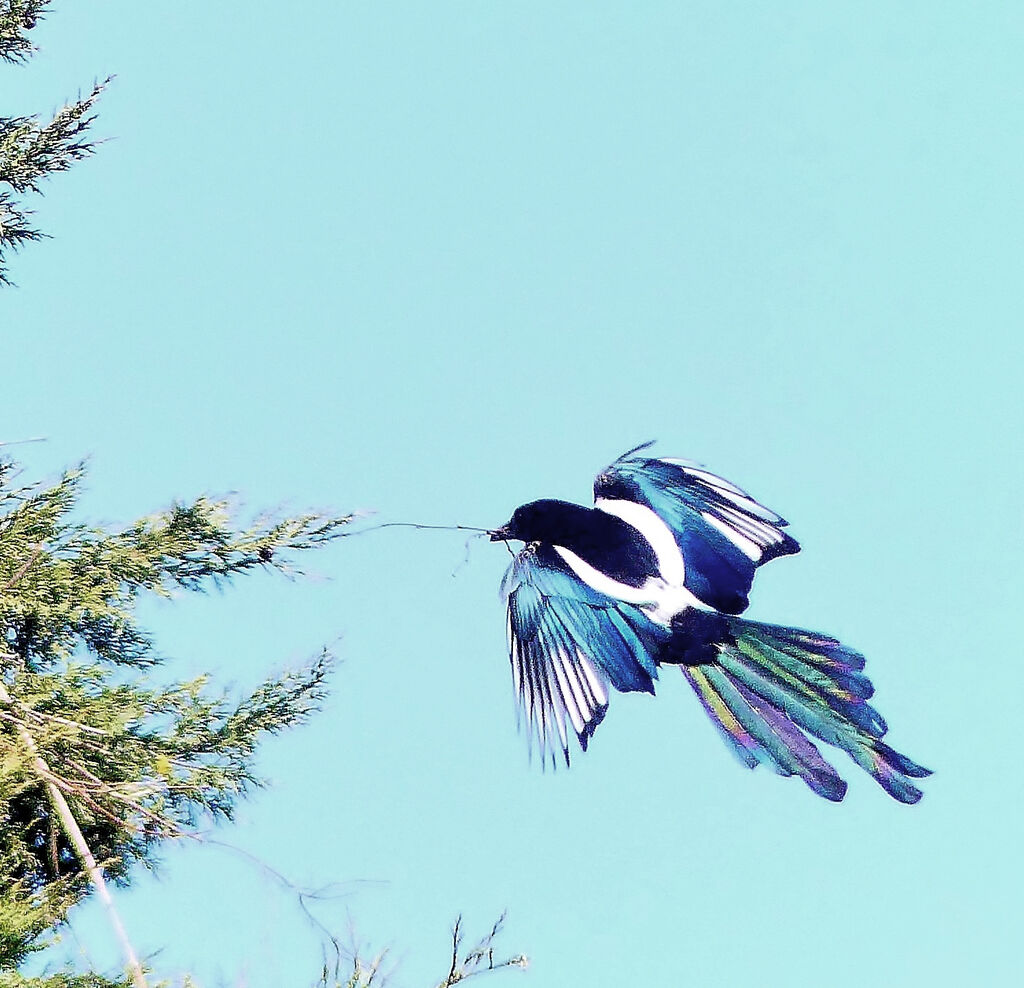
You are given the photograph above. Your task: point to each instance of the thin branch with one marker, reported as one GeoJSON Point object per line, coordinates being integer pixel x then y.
{"type": "Point", "coordinates": [456, 943]}
{"type": "Point", "coordinates": [302, 895]}
{"type": "Point", "coordinates": [77, 725]}
{"type": "Point", "coordinates": [26, 566]}
{"type": "Point", "coordinates": [479, 959]}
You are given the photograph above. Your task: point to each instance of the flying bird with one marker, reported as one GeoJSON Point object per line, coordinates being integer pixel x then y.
{"type": "Point", "coordinates": [654, 575]}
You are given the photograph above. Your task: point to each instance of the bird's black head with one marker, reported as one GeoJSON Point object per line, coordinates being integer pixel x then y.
{"type": "Point", "coordinates": [538, 521]}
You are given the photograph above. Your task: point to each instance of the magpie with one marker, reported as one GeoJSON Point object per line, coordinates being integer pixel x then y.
{"type": "Point", "coordinates": [656, 574]}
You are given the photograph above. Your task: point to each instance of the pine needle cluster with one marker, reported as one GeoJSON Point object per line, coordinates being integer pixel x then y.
{"type": "Point", "coordinates": [30, 148]}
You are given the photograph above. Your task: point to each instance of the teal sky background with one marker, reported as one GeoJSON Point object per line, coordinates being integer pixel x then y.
{"type": "Point", "coordinates": [440, 259]}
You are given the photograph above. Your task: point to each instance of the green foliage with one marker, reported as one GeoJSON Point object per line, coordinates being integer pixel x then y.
{"type": "Point", "coordinates": [14, 980]}
{"type": "Point", "coordinates": [22, 919]}
{"type": "Point", "coordinates": [29, 148]}
{"type": "Point", "coordinates": [25, 917]}
{"type": "Point", "coordinates": [16, 18]}
{"type": "Point", "coordinates": [138, 763]}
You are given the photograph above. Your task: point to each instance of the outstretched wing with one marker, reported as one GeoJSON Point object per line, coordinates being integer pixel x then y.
{"type": "Point", "coordinates": [722, 532]}
{"type": "Point", "coordinates": [567, 644]}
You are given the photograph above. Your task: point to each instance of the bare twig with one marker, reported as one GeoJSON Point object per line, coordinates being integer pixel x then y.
{"type": "Point", "coordinates": [456, 943]}
{"type": "Point", "coordinates": [479, 959]}
{"type": "Point", "coordinates": [302, 895]}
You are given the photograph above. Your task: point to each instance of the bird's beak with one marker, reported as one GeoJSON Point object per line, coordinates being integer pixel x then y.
{"type": "Point", "coordinates": [500, 534]}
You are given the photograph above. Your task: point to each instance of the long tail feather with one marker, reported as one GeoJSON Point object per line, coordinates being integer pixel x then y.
{"type": "Point", "coordinates": [743, 746]}
{"type": "Point", "coordinates": [787, 749]}
{"type": "Point", "coordinates": [773, 686]}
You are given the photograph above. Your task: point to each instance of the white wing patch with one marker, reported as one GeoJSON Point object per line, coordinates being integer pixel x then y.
{"type": "Point", "coordinates": [670, 560]}
{"type": "Point", "coordinates": [661, 601]}
{"type": "Point", "coordinates": [603, 583]}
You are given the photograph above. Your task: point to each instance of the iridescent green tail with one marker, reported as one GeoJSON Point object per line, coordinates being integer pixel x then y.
{"type": "Point", "coordinates": [773, 686]}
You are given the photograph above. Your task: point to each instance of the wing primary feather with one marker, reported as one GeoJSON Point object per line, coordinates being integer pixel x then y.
{"type": "Point", "coordinates": [566, 650]}
{"type": "Point", "coordinates": [568, 699]}
{"type": "Point", "coordinates": [567, 642]}
{"type": "Point", "coordinates": [597, 687]}
{"type": "Point", "coordinates": [722, 533]}
{"type": "Point", "coordinates": [709, 478]}
{"type": "Point", "coordinates": [560, 713]}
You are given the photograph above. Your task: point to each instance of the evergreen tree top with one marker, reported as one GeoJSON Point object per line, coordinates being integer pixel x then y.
{"type": "Point", "coordinates": [29, 148]}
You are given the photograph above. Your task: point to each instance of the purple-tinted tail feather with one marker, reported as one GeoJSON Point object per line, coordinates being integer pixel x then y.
{"type": "Point", "coordinates": [772, 686]}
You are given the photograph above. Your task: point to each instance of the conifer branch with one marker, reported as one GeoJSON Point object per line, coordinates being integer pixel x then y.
{"type": "Point", "coordinates": [17, 17]}
{"type": "Point", "coordinates": [136, 764]}
{"type": "Point", "coordinates": [67, 818]}
{"type": "Point", "coordinates": [31, 150]}
{"type": "Point", "coordinates": [78, 841]}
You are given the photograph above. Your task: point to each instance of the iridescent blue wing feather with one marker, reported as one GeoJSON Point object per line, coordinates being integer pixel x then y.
{"type": "Point", "coordinates": [567, 644]}
{"type": "Point", "coordinates": [722, 532]}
